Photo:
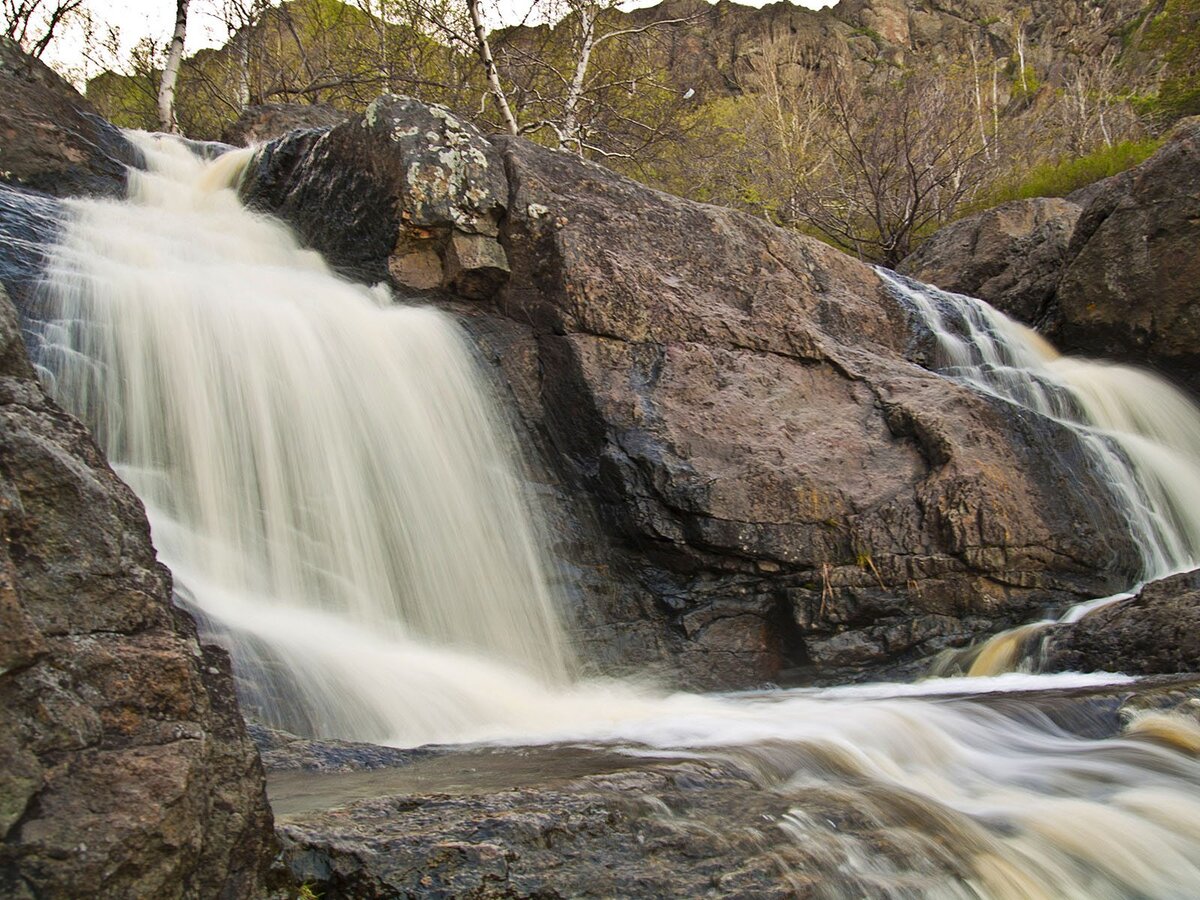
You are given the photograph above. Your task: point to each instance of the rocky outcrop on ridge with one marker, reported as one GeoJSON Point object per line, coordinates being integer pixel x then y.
{"type": "Point", "coordinates": [268, 121]}
{"type": "Point", "coordinates": [127, 770]}
{"type": "Point", "coordinates": [779, 487]}
{"type": "Point", "coordinates": [1155, 633]}
{"type": "Point", "coordinates": [1119, 278]}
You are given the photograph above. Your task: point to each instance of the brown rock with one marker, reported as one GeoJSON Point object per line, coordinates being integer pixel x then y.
{"type": "Point", "coordinates": [127, 770]}
{"type": "Point", "coordinates": [741, 414]}
{"type": "Point", "coordinates": [1012, 256]}
{"type": "Point", "coordinates": [50, 137]}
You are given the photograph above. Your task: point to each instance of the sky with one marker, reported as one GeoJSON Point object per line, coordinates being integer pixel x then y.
{"type": "Point", "coordinates": [136, 19]}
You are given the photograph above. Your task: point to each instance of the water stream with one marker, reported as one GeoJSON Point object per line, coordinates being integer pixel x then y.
{"type": "Point", "coordinates": [1141, 433]}
{"type": "Point", "coordinates": [339, 502]}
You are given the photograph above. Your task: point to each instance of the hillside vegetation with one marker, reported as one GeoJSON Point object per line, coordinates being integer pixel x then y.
{"type": "Point", "coordinates": [869, 124]}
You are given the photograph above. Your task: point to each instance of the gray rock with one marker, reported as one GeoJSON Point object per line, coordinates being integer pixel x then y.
{"type": "Point", "coordinates": [406, 190]}
{"type": "Point", "coordinates": [1155, 633]}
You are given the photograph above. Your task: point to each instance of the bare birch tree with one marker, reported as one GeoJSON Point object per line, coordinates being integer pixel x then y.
{"type": "Point", "coordinates": [166, 89]}
{"type": "Point", "coordinates": [33, 24]}
{"type": "Point", "coordinates": [484, 50]}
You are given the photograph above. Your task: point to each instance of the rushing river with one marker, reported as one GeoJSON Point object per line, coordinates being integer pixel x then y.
{"type": "Point", "coordinates": [341, 505]}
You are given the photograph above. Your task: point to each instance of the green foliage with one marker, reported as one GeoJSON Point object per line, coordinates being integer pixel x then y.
{"type": "Point", "coordinates": [1025, 83]}
{"type": "Point", "coordinates": [127, 101]}
{"type": "Point", "coordinates": [1063, 176]}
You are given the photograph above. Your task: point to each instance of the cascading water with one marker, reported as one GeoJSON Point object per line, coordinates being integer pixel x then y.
{"type": "Point", "coordinates": [322, 470]}
{"type": "Point", "coordinates": [1140, 431]}
{"type": "Point", "coordinates": [1142, 434]}
{"type": "Point", "coordinates": [326, 479]}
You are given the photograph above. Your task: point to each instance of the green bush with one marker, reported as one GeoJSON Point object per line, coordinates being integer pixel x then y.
{"type": "Point", "coordinates": [1059, 178]}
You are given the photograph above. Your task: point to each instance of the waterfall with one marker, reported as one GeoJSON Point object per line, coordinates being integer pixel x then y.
{"type": "Point", "coordinates": [1141, 432]}
{"type": "Point", "coordinates": [323, 470]}
{"type": "Point", "coordinates": [327, 479]}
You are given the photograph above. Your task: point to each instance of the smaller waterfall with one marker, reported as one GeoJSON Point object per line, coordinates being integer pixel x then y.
{"type": "Point", "coordinates": [1142, 433]}
{"type": "Point", "coordinates": [323, 470]}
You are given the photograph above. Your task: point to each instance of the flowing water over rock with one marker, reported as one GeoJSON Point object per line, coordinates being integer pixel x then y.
{"type": "Point", "coordinates": [339, 503]}
{"type": "Point", "coordinates": [1142, 433]}
{"type": "Point", "coordinates": [323, 471]}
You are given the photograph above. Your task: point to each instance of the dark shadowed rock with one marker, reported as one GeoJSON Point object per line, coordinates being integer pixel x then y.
{"type": "Point", "coordinates": [50, 137]}
{"type": "Point", "coordinates": [1012, 256]}
{"type": "Point", "coordinates": [1156, 632]}
{"type": "Point", "coordinates": [127, 770]}
{"type": "Point", "coordinates": [779, 488]}
{"type": "Point", "coordinates": [1131, 289]}
{"type": "Point", "coordinates": [262, 123]}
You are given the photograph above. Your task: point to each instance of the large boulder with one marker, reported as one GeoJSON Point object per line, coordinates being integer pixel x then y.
{"type": "Point", "coordinates": [1012, 255]}
{"type": "Point", "coordinates": [51, 140]}
{"type": "Point", "coordinates": [406, 189]}
{"type": "Point", "coordinates": [127, 770]}
{"type": "Point", "coordinates": [1155, 633]}
{"type": "Point", "coordinates": [1131, 288]}
{"type": "Point", "coordinates": [778, 487]}
{"type": "Point", "coordinates": [1111, 271]}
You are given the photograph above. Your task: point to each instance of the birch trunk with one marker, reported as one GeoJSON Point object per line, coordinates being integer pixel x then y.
{"type": "Point", "coordinates": [166, 90]}
{"type": "Point", "coordinates": [489, 66]}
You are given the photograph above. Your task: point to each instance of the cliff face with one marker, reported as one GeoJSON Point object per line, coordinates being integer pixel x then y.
{"type": "Point", "coordinates": [718, 47]}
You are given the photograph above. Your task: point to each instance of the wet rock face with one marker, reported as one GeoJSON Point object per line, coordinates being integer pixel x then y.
{"type": "Point", "coordinates": [1012, 256]}
{"type": "Point", "coordinates": [760, 481]}
{"type": "Point", "coordinates": [127, 770]}
{"type": "Point", "coordinates": [407, 191]}
{"type": "Point", "coordinates": [51, 139]}
{"type": "Point", "coordinates": [1157, 632]}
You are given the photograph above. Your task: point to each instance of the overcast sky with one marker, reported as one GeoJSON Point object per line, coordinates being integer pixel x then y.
{"type": "Point", "coordinates": [136, 19]}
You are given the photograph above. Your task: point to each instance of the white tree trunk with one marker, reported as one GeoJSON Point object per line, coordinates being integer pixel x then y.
{"type": "Point", "coordinates": [489, 66]}
{"type": "Point", "coordinates": [166, 90]}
